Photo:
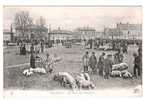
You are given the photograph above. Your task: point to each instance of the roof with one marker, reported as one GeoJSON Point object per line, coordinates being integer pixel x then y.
{"type": "Point", "coordinates": [61, 32]}
{"type": "Point", "coordinates": [6, 33]}
{"type": "Point", "coordinates": [34, 27]}
{"type": "Point", "coordinates": [86, 29]}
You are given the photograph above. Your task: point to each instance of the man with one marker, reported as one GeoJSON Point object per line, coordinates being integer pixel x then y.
{"type": "Point", "coordinates": [101, 64]}
{"type": "Point", "coordinates": [32, 48]}
{"type": "Point", "coordinates": [93, 62]}
{"type": "Point", "coordinates": [23, 50]}
{"type": "Point", "coordinates": [118, 57]}
{"type": "Point", "coordinates": [85, 61]}
{"type": "Point", "coordinates": [49, 63]}
{"type": "Point", "coordinates": [42, 47]}
{"type": "Point", "coordinates": [32, 60]}
{"type": "Point", "coordinates": [136, 65]}
{"type": "Point", "coordinates": [32, 57]}
{"type": "Point", "coordinates": [107, 66]}
{"type": "Point", "coordinates": [20, 48]}
{"type": "Point", "coordinates": [140, 50]}
{"type": "Point", "coordinates": [140, 56]}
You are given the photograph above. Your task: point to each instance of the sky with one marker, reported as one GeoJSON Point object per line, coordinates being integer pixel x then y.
{"type": "Point", "coordinates": [70, 18]}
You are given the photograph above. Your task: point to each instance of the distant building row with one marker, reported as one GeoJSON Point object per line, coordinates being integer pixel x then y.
{"type": "Point", "coordinates": [122, 31]}
{"type": "Point", "coordinates": [125, 31]}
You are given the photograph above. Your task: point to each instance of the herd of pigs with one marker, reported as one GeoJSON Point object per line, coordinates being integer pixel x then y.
{"type": "Point", "coordinates": [80, 80]}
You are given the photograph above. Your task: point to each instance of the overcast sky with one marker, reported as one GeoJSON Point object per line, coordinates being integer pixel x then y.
{"type": "Point", "coordinates": [73, 17]}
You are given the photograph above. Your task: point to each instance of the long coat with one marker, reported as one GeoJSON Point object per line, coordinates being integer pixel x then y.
{"type": "Point", "coordinates": [92, 61]}
{"type": "Point", "coordinates": [101, 62]}
{"type": "Point", "coordinates": [85, 60]}
{"type": "Point", "coordinates": [32, 60]}
{"type": "Point", "coordinates": [107, 66]}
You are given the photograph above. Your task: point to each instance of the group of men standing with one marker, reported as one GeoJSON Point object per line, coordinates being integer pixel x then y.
{"type": "Point", "coordinates": [102, 66]}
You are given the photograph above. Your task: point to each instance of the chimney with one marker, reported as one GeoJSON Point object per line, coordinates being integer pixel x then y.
{"type": "Point", "coordinates": [11, 29]}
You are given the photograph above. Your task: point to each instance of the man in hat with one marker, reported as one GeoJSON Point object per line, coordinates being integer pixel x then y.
{"type": "Point", "coordinates": [101, 64]}
{"type": "Point", "coordinates": [137, 68]}
{"type": "Point", "coordinates": [107, 66]}
{"type": "Point", "coordinates": [93, 62]}
{"type": "Point", "coordinates": [32, 56]}
{"type": "Point", "coordinates": [32, 60]}
{"type": "Point", "coordinates": [85, 61]}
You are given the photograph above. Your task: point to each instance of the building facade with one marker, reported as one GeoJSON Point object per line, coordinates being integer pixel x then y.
{"type": "Point", "coordinates": [38, 32]}
{"type": "Point", "coordinates": [124, 31]}
{"type": "Point", "coordinates": [86, 33]}
{"type": "Point", "coordinates": [113, 33]}
{"type": "Point", "coordinates": [60, 35]}
{"type": "Point", "coordinates": [130, 31]}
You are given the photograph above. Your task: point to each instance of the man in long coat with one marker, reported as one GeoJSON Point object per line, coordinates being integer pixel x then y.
{"type": "Point", "coordinates": [137, 67]}
{"type": "Point", "coordinates": [85, 61]}
{"type": "Point", "coordinates": [32, 57]}
{"type": "Point", "coordinates": [93, 62]}
{"type": "Point", "coordinates": [101, 64]}
{"type": "Point", "coordinates": [107, 66]}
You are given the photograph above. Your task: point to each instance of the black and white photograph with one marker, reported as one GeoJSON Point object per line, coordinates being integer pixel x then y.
{"type": "Point", "coordinates": [76, 48]}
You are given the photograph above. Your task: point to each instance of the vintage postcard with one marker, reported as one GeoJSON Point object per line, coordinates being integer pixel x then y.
{"type": "Point", "coordinates": [73, 48]}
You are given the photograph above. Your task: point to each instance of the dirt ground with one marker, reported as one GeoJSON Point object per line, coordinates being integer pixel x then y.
{"type": "Point", "coordinates": [71, 62]}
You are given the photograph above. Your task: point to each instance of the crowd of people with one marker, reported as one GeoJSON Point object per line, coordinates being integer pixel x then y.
{"type": "Point", "coordinates": [101, 66]}
{"type": "Point", "coordinates": [115, 44]}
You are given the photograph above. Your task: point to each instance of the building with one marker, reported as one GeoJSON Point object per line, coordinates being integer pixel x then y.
{"type": "Point", "coordinates": [60, 35]}
{"type": "Point", "coordinates": [38, 32]}
{"type": "Point", "coordinates": [130, 31]}
{"type": "Point", "coordinates": [8, 35]}
{"type": "Point", "coordinates": [86, 33]}
{"type": "Point", "coordinates": [113, 33]}
{"type": "Point", "coordinates": [124, 31]}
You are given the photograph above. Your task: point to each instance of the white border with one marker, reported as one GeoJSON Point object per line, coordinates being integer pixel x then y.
{"type": "Point", "coordinates": [55, 2]}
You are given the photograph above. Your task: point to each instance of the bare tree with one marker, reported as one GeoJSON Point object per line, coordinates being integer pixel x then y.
{"type": "Point", "coordinates": [22, 21]}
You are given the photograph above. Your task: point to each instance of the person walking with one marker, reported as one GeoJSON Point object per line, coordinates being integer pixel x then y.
{"type": "Point", "coordinates": [107, 66]}
{"type": "Point", "coordinates": [101, 64]}
{"type": "Point", "coordinates": [93, 63]}
{"type": "Point", "coordinates": [85, 60]}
